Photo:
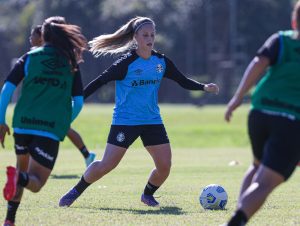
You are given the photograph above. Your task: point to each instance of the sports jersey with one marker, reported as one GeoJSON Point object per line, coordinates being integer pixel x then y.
{"type": "Point", "coordinates": [270, 48]}
{"type": "Point", "coordinates": [137, 84]}
{"type": "Point", "coordinates": [45, 105]}
{"type": "Point", "coordinates": [279, 89]}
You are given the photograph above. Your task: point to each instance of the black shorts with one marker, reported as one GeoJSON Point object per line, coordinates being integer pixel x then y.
{"type": "Point", "coordinates": [124, 136]}
{"type": "Point", "coordinates": [42, 149]}
{"type": "Point", "coordinates": [275, 141]}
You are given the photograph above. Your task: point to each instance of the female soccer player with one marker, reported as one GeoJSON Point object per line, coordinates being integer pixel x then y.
{"type": "Point", "coordinates": [274, 119]}
{"type": "Point", "coordinates": [35, 37]}
{"type": "Point", "coordinates": [138, 75]}
{"type": "Point", "coordinates": [36, 40]}
{"type": "Point", "coordinates": [44, 111]}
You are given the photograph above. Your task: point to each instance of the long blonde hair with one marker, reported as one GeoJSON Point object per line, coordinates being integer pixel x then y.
{"type": "Point", "coordinates": [121, 40]}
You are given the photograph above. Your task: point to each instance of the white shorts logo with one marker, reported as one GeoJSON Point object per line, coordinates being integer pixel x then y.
{"type": "Point", "coordinates": [43, 154]}
{"type": "Point", "coordinates": [20, 148]}
{"type": "Point", "coordinates": [120, 137]}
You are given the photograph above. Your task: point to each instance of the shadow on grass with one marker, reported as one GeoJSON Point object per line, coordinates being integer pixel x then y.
{"type": "Point", "coordinates": [71, 176]}
{"type": "Point", "coordinates": [166, 210]}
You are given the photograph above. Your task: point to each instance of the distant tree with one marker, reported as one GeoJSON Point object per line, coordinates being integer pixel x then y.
{"type": "Point", "coordinates": [196, 34]}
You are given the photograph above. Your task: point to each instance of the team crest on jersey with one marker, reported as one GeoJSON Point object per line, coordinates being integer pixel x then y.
{"type": "Point", "coordinates": [159, 68]}
{"type": "Point", "coordinates": [120, 137]}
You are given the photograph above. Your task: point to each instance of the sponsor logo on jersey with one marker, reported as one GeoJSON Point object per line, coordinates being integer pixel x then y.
{"type": "Point", "coordinates": [280, 104]}
{"type": "Point", "coordinates": [49, 81]}
{"type": "Point", "coordinates": [35, 121]}
{"type": "Point", "coordinates": [145, 82]}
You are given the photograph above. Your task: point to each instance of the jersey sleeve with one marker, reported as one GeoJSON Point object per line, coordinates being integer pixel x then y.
{"type": "Point", "coordinates": [17, 74]}
{"type": "Point", "coordinates": [174, 74]}
{"type": "Point", "coordinates": [117, 71]}
{"type": "Point", "coordinates": [77, 89]}
{"type": "Point", "coordinates": [270, 48]}
{"type": "Point", "coordinates": [5, 97]}
{"type": "Point", "coordinates": [77, 104]}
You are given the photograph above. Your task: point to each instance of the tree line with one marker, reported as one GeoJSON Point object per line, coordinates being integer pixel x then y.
{"type": "Point", "coordinates": [208, 40]}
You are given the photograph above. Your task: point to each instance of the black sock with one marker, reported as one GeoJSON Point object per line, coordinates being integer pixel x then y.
{"type": "Point", "coordinates": [84, 151]}
{"type": "Point", "coordinates": [82, 185]}
{"type": "Point", "coordinates": [23, 179]}
{"type": "Point", "coordinates": [11, 210]}
{"type": "Point", "coordinates": [150, 189]}
{"type": "Point", "coordinates": [238, 219]}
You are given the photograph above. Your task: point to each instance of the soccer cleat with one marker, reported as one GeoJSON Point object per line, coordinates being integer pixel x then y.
{"type": "Point", "coordinates": [69, 198]}
{"type": "Point", "coordinates": [90, 159]}
{"type": "Point", "coordinates": [8, 223]}
{"type": "Point", "coordinates": [10, 189]}
{"type": "Point", "coordinates": [149, 200]}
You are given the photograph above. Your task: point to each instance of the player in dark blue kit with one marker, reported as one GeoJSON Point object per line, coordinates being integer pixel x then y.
{"type": "Point", "coordinates": [44, 111]}
{"type": "Point", "coordinates": [138, 75]}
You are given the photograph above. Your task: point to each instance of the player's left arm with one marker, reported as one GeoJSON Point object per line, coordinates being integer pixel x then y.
{"type": "Point", "coordinates": [77, 95]}
{"type": "Point", "coordinates": [187, 83]}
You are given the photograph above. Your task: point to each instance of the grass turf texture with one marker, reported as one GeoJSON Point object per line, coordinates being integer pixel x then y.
{"type": "Point", "coordinates": [202, 144]}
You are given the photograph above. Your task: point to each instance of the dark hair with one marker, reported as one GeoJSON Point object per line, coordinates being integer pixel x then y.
{"type": "Point", "coordinates": [67, 38]}
{"type": "Point", "coordinates": [37, 30]}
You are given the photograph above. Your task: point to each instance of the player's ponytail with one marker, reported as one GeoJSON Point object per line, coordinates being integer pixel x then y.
{"type": "Point", "coordinates": [67, 38]}
{"type": "Point", "coordinates": [120, 41]}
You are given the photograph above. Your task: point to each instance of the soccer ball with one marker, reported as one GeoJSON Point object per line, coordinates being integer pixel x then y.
{"type": "Point", "coordinates": [213, 197]}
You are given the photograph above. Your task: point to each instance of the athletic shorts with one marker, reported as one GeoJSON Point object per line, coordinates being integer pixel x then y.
{"type": "Point", "coordinates": [124, 135]}
{"type": "Point", "coordinates": [275, 141]}
{"type": "Point", "coordinates": [44, 150]}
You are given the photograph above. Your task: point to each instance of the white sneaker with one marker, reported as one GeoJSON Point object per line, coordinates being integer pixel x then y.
{"type": "Point", "coordinates": [90, 159]}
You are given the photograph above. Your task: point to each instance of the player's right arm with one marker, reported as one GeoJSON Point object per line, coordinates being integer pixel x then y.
{"type": "Point", "coordinates": [13, 79]}
{"type": "Point", "coordinates": [267, 55]}
{"type": "Point", "coordinates": [117, 71]}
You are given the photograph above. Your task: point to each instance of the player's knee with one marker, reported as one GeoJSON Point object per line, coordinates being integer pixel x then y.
{"type": "Point", "coordinates": [265, 186]}
{"type": "Point", "coordinates": [165, 168]}
{"type": "Point", "coordinates": [103, 167]}
{"type": "Point", "coordinates": [37, 186]}
{"type": "Point", "coordinates": [35, 189]}
{"type": "Point", "coordinates": [107, 168]}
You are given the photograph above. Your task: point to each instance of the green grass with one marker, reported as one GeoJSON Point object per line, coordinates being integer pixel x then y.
{"type": "Point", "coordinates": [203, 145]}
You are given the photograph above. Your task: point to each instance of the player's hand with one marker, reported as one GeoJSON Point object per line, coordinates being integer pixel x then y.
{"type": "Point", "coordinates": [231, 106]}
{"type": "Point", "coordinates": [4, 129]}
{"type": "Point", "coordinates": [211, 88]}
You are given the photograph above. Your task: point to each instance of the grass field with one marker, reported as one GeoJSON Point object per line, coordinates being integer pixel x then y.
{"type": "Point", "coordinates": [203, 145]}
